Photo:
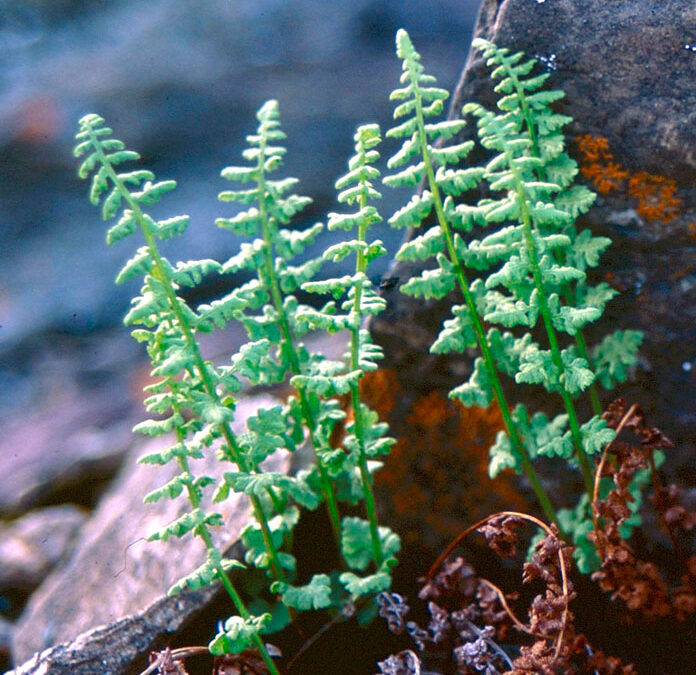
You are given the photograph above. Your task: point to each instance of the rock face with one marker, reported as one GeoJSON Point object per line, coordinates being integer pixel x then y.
{"type": "Point", "coordinates": [113, 588]}
{"type": "Point", "coordinates": [627, 70]}
{"type": "Point", "coordinates": [34, 543]}
{"type": "Point", "coordinates": [73, 438]}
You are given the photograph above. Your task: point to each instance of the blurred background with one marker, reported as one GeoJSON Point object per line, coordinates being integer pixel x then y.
{"type": "Point", "coordinates": [179, 82]}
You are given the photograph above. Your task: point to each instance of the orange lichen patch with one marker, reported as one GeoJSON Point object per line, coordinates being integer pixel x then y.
{"type": "Point", "coordinates": [598, 164]}
{"type": "Point", "coordinates": [411, 498]}
{"type": "Point", "coordinates": [429, 412]}
{"type": "Point", "coordinates": [594, 148]}
{"type": "Point", "coordinates": [655, 195]}
{"type": "Point", "coordinates": [691, 230]}
{"type": "Point", "coordinates": [437, 473]}
{"type": "Point", "coordinates": [606, 177]}
{"type": "Point", "coordinates": [378, 390]}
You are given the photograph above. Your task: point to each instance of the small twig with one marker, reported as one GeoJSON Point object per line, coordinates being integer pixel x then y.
{"type": "Point", "coordinates": [501, 596]}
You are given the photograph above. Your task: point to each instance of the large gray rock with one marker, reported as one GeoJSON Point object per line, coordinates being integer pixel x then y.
{"type": "Point", "coordinates": [628, 73]}
{"type": "Point", "coordinates": [112, 591]}
{"type": "Point", "coordinates": [73, 438]}
{"type": "Point", "coordinates": [33, 544]}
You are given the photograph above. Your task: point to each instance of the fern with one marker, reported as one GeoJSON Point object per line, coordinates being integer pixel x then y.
{"type": "Point", "coordinates": [529, 104]}
{"type": "Point", "coordinates": [365, 438]}
{"type": "Point", "coordinates": [544, 260]}
{"type": "Point", "coordinates": [422, 101]}
{"type": "Point", "coordinates": [275, 326]}
{"type": "Point", "coordinates": [534, 262]}
{"type": "Point", "coordinates": [185, 379]}
{"type": "Point", "coordinates": [525, 276]}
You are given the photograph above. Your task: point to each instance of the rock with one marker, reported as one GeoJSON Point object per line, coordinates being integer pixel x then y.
{"type": "Point", "coordinates": [70, 438]}
{"type": "Point", "coordinates": [117, 581]}
{"type": "Point", "coordinates": [6, 629]}
{"type": "Point", "coordinates": [111, 649]}
{"type": "Point", "coordinates": [618, 86]}
{"type": "Point", "coordinates": [32, 545]}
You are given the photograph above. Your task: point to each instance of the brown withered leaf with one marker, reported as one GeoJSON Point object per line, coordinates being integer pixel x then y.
{"type": "Point", "coordinates": [501, 534]}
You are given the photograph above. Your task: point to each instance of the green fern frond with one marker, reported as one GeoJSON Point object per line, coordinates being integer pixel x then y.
{"type": "Point", "coordinates": [425, 154]}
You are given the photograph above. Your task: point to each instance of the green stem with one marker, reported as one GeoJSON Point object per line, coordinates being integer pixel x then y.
{"type": "Point", "coordinates": [517, 446]}
{"type": "Point", "coordinates": [582, 350]}
{"type": "Point", "coordinates": [576, 434]}
{"type": "Point", "coordinates": [288, 346]}
{"type": "Point", "coordinates": [366, 478]}
{"type": "Point", "coordinates": [358, 426]}
{"type": "Point", "coordinates": [233, 449]}
{"type": "Point", "coordinates": [237, 601]}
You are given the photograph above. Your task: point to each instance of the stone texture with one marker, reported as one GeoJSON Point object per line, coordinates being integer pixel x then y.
{"type": "Point", "coordinates": [6, 629]}
{"type": "Point", "coordinates": [627, 69]}
{"type": "Point", "coordinates": [32, 545]}
{"type": "Point", "coordinates": [74, 436]}
{"type": "Point", "coordinates": [111, 649]}
{"type": "Point", "coordinates": [118, 581]}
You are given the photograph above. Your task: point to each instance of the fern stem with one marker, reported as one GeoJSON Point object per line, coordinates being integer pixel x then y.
{"type": "Point", "coordinates": [291, 354]}
{"type": "Point", "coordinates": [244, 613]}
{"type": "Point", "coordinates": [515, 440]}
{"type": "Point", "coordinates": [366, 478]}
{"type": "Point", "coordinates": [235, 451]}
{"type": "Point", "coordinates": [536, 151]}
{"type": "Point", "coordinates": [227, 584]}
{"type": "Point", "coordinates": [203, 532]}
{"type": "Point", "coordinates": [575, 431]}
{"type": "Point", "coordinates": [582, 350]}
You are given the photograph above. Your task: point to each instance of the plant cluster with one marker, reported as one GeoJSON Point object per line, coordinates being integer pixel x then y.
{"type": "Point", "coordinates": [472, 621]}
{"type": "Point", "coordinates": [519, 266]}
{"type": "Point", "coordinates": [195, 398]}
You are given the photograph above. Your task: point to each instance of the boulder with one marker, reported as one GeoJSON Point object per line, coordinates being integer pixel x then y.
{"type": "Point", "coordinates": [627, 70]}
{"type": "Point", "coordinates": [32, 545]}
{"type": "Point", "coordinates": [71, 438]}
{"type": "Point", "coordinates": [107, 604]}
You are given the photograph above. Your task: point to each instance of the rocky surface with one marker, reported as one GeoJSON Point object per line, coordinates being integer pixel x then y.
{"type": "Point", "coordinates": [627, 70]}
{"type": "Point", "coordinates": [72, 440]}
{"type": "Point", "coordinates": [115, 579]}
{"type": "Point", "coordinates": [33, 544]}
{"type": "Point", "coordinates": [111, 649]}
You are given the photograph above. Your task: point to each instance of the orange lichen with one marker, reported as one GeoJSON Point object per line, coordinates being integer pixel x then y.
{"type": "Point", "coordinates": [429, 412]}
{"type": "Point", "coordinates": [437, 473]}
{"type": "Point", "coordinates": [599, 165]}
{"type": "Point", "coordinates": [655, 195]}
{"type": "Point", "coordinates": [594, 148]}
{"type": "Point", "coordinates": [606, 177]}
{"type": "Point", "coordinates": [378, 390]}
